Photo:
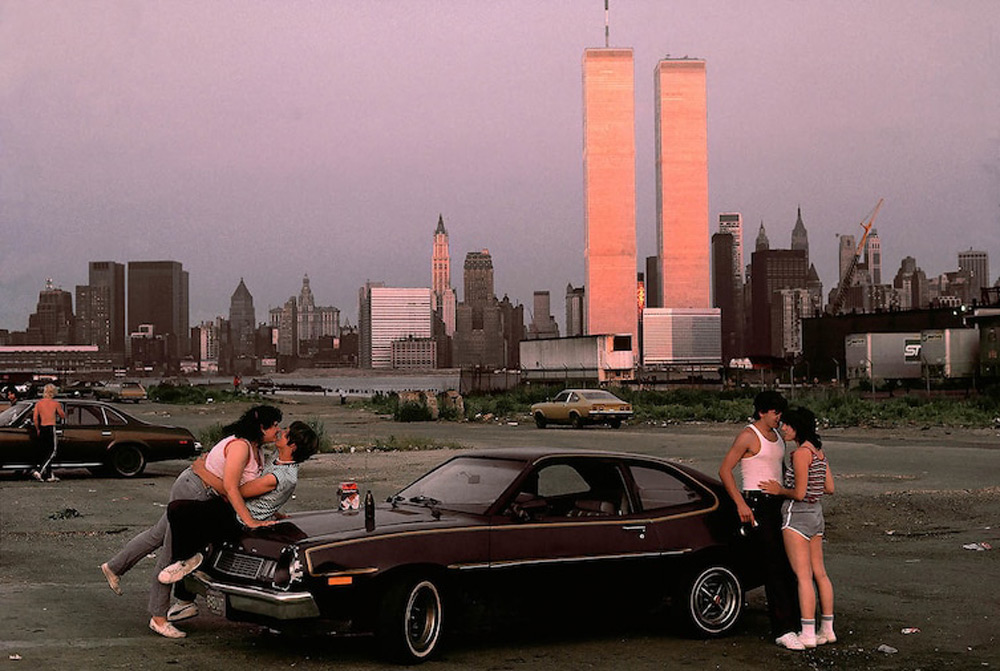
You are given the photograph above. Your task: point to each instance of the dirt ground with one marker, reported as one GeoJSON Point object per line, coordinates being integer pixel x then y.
{"type": "Point", "coordinates": [908, 503]}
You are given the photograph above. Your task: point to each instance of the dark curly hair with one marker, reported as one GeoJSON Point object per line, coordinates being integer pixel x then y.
{"type": "Point", "coordinates": [803, 421]}
{"type": "Point", "coordinates": [251, 424]}
{"type": "Point", "coordinates": [768, 400]}
{"type": "Point", "coordinates": [305, 440]}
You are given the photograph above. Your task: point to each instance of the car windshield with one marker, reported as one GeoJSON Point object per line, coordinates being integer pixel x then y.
{"type": "Point", "coordinates": [470, 484]}
{"type": "Point", "coordinates": [597, 395]}
{"type": "Point", "coordinates": [10, 415]}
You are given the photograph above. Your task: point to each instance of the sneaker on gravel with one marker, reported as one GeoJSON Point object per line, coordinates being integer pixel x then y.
{"type": "Point", "coordinates": [822, 638]}
{"type": "Point", "coordinates": [182, 610]}
{"type": "Point", "coordinates": [790, 641]}
{"type": "Point", "coordinates": [36, 475]}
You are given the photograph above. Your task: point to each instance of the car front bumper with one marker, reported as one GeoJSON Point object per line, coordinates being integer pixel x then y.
{"type": "Point", "coordinates": [266, 603]}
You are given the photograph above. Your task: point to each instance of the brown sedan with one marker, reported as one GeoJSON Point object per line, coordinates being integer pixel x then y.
{"type": "Point", "coordinates": [516, 532]}
{"type": "Point", "coordinates": [580, 407]}
{"type": "Point", "coordinates": [96, 436]}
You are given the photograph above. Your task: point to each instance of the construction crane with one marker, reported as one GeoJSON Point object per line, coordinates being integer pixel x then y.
{"type": "Point", "coordinates": [845, 282]}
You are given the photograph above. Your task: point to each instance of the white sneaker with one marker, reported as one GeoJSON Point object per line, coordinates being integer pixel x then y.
{"type": "Point", "coordinates": [182, 610]}
{"type": "Point", "coordinates": [824, 637]}
{"type": "Point", "coordinates": [790, 641]}
{"type": "Point", "coordinates": [179, 569]}
{"type": "Point", "coordinates": [807, 640]}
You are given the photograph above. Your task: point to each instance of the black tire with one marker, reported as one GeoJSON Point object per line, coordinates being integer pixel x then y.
{"type": "Point", "coordinates": [576, 420]}
{"type": "Point", "coordinates": [127, 461]}
{"type": "Point", "coordinates": [410, 617]}
{"type": "Point", "coordinates": [712, 601]}
{"type": "Point", "coordinates": [615, 423]}
{"type": "Point", "coordinates": [540, 420]}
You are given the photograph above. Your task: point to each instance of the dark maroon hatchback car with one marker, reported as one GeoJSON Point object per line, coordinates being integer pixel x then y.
{"type": "Point", "coordinates": [522, 530]}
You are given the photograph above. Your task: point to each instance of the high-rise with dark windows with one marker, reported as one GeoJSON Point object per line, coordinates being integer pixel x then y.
{"type": "Point", "coordinates": [158, 295]}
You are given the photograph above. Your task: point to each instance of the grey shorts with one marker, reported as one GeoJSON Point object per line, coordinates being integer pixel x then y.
{"type": "Point", "coordinates": [806, 519]}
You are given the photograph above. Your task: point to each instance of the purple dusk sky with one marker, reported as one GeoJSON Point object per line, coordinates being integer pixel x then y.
{"type": "Point", "coordinates": [267, 140]}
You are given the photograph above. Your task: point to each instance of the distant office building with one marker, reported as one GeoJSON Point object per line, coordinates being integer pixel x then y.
{"type": "Point", "coordinates": [846, 254]}
{"type": "Point", "coordinates": [414, 353]}
{"type": "Point", "coordinates": [771, 271]}
{"type": "Point", "coordinates": [543, 324]}
{"type": "Point", "coordinates": [445, 299]}
{"type": "Point", "coordinates": [609, 192]}
{"type": "Point", "coordinates": [101, 308]}
{"type": "Point", "coordinates": [800, 237]}
{"type": "Point", "coordinates": [315, 321]}
{"type": "Point", "coordinates": [681, 337]}
{"type": "Point", "coordinates": [387, 314]}
{"type": "Point", "coordinates": [873, 257]}
{"type": "Point", "coordinates": [682, 235]}
{"type": "Point", "coordinates": [242, 321]}
{"type": "Point", "coordinates": [285, 328]}
{"type": "Point", "coordinates": [53, 322]}
{"type": "Point", "coordinates": [727, 294]}
{"type": "Point", "coordinates": [788, 308]}
{"type": "Point", "coordinates": [732, 223]}
{"type": "Point", "coordinates": [576, 304]}
{"type": "Point", "coordinates": [158, 295]}
{"type": "Point", "coordinates": [653, 284]}
{"type": "Point", "coordinates": [977, 264]}
{"type": "Point", "coordinates": [487, 331]}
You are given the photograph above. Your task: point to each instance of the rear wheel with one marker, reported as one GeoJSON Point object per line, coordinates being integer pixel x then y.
{"type": "Point", "coordinates": [409, 628]}
{"type": "Point", "coordinates": [127, 461]}
{"type": "Point", "coordinates": [540, 420]}
{"type": "Point", "coordinates": [711, 602]}
{"type": "Point", "coordinates": [576, 420]}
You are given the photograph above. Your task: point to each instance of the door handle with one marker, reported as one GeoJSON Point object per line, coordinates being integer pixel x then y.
{"type": "Point", "coordinates": [638, 528]}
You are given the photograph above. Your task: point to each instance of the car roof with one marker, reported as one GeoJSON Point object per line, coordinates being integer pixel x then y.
{"type": "Point", "coordinates": [535, 453]}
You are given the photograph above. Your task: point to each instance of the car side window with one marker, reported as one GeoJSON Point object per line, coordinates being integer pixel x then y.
{"type": "Point", "coordinates": [560, 480]}
{"type": "Point", "coordinates": [83, 415]}
{"type": "Point", "coordinates": [113, 418]}
{"type": "Point", "coordinates": [561, 397]}
{"type": "Point", "coordinates": [573, 398]}
{"type": "Point", "coordinates": [658, 488]}
{"type": "Point", "coordinates": [588, 488]}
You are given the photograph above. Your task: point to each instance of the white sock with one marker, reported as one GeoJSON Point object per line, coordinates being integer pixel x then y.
{"type": "Point", "coordinates": [808, 628]}
{"type": "Point", "coordinates": [826, 624]}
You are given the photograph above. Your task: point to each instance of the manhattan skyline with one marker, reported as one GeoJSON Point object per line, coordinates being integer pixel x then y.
{"type": "Point", "coordinates": [269, 141]}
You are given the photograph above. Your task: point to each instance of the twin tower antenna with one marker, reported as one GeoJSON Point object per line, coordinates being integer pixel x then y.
{"type": "Point", "coordinates": [607, 28]}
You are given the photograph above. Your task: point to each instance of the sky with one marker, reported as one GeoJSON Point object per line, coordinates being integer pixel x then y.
{"type": "Point", "coordinates": [270, 140]}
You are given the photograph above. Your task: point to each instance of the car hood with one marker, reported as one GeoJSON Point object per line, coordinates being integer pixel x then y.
{"type": "Point", "coordinates": [324, 526]}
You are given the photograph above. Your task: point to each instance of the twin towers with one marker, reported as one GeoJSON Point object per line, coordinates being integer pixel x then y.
{"type": "Point", "coordinates": [682, 268]}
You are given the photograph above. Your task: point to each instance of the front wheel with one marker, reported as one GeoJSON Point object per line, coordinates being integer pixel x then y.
{"type": "Point", "coordinates": [712, 601]}
{"type": "Point", "coordinates": [410, 618]}
{"type": "Point", "coordinates": [127, 461]}
{"type": "Point", "coordinates": [576, 420]}
{"type": "Point", "coordinates": [540, 420]}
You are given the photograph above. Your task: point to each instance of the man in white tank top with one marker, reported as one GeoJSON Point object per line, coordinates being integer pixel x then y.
{"type": "Point", "coordinates": [759, 452]}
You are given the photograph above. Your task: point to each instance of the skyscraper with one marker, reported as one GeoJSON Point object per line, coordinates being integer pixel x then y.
{"type": "Point", "coordinates": [158, 295]}
{"type": "Point", "coordinates": [873, 257]}
{"type": "Point", "coordinates": [387, 315]}
{"type": "Point", "coordinates": [53, 321]}
{"type": "Point", "coordinates": [442, 291]}
{"type": "Point", "coordinates": [800, 238]}
{"type": "Point", "coordinates": [242, 321]}
{"type": "Point", "coordinates": [682, 235]}
{"type": "Point", "coordinates": [977, 264]}
{"type": "Point", "coordinates": [609, 192]}
{"type": "Point", "coordinates": [111, 275]}
{"type": "Point", "coordinates": [732, 223]}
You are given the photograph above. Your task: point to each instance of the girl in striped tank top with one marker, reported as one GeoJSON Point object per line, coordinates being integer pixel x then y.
{"type": "Point", "coordinates": [802, 522]}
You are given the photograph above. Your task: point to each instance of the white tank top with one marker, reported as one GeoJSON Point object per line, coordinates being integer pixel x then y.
{"type": "Point", "coordinates": [765, 465]}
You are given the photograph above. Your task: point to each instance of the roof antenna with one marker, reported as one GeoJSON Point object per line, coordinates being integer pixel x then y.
{"type": "Point", "coordinates": [607, 29]}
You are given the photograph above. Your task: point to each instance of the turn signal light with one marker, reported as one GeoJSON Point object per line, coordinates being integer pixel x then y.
{"type": "Point", "coordinates": [339, 580]}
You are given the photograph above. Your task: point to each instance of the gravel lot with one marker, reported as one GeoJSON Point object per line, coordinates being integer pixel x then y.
{"type": "Point", "coordinates": [907, 503]}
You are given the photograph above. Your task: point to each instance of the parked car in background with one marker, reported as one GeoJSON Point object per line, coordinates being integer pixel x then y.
{"type": "Point", "coordinates": [261, 385]}
{"type": "Point", "coordinates": [126, 390]}
{"type": "Point", "coordinates": [96, 436]}
{"type": "Point", "coordinates": [82, 389]}
{"type": "Point", "coordinates": [517, 532]}
{"type": "Point", "coordinates": [580, 407]}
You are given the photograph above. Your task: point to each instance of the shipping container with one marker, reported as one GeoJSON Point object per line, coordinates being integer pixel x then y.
{"type": "Point", "coordinates": [949, 353]}
{"type": "Point", "coordinates": [883, 356]}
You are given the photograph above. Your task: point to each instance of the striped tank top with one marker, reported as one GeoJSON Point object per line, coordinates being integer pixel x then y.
{"type": "Point", "coordinates": [815, 478]}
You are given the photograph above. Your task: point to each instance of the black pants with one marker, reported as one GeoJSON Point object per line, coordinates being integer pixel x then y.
{"type": "Point", "coordinates": [46, 450]}
{"type": "Point", "coordinates": [780, 583]}
{"type": "Point", "coordinates": [196, 524]}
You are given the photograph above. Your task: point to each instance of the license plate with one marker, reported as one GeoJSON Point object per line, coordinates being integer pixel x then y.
{"type": "Point", "coordinates": [215, 601]}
